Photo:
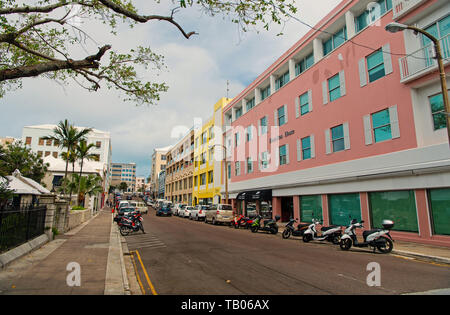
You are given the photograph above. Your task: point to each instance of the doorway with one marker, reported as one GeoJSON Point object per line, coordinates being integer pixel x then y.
{"type": "Point", "coordinates": [287, 208]}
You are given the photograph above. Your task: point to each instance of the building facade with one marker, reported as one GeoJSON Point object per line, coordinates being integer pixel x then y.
{"type": "Point", "coordinates": [208, 157]}
{"type": "Point", "coordinates": [124, 173]}
{"type": "Point", "coordinates": [159, 162]}
{"type": "Point", "coordinates": [179, 170]}
{"type": "Point", "coordinates": [349, 123]}
{"type": "Point", "coordinates": [33, 136]}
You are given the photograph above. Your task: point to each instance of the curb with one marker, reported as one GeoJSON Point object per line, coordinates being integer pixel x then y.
{"type": "Point", "coordinates": [436, 259]}
{"type": "Point", "coordinates": [19, 251]}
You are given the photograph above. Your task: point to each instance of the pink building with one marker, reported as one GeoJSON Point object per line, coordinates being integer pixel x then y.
{"type": "Point", "coordinates": [348, 123]}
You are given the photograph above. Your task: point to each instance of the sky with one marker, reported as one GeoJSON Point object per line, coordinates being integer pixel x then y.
{"type": "Point", "coordinates": [197, 71]}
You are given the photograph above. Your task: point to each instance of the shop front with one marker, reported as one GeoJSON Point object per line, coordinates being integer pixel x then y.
{"type": "Point", "coordinates": [252, 203]}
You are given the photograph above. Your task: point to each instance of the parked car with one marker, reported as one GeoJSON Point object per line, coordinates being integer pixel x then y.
{"type": "Point", "coordinates": [165, 210]}
{"type": "Point", "coordinates": [140, 206]}
{"type": "Point", "coordinates": [221, 213]}
{"type": "Point", "coordinates": [178, 209]}
{"type": "Point", "coordinates": [199, 212]}
{"type": "Point", "coordinates": [186, 211]}
{"type": "Point", "coordinates": [123, 203]}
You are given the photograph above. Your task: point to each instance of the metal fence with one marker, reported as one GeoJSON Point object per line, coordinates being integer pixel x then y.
{"type": "Point", "coordinates": [20, 224]}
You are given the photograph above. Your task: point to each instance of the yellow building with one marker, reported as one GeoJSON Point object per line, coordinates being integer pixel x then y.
{"type": "Point", "coordinates": [208, 158]}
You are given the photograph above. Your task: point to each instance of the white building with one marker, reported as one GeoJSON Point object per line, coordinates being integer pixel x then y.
{"type": "Point", "coordinates": [33, 136]}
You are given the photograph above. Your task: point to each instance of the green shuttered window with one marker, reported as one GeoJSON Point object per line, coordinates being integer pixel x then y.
{"type": "Point", "coordinates": [310, 207]}
{"type": "Point", "coordinates": [439, 200]}
{"type": "Point", "coordinates": [343, 208]}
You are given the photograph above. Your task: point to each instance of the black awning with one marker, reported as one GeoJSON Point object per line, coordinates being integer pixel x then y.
{"type": "Point", "coordinates": [265, 194]}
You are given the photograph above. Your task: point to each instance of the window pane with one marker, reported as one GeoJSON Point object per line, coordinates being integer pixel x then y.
{"type": "Point", "coordinates": [327, 46]}
{"type": "Point", "coordinates": [440, 210]}
{"type": "Point", "coordinates": [310, 207]}
{"type": "Point", "coordinates": [375, 66]}
{"type": "Point", "coordinates": [309, 61]}
{"type": "Point", "coordinates": [437, 105]}
{"type": "Point", "coordinates": [339, 38]}
{"type": "Point", "coordinates": [338, 145]}
{"type": "Point", "coordinates": [337, 132]}
{"type": "Point", "coordinates": [333, 82]}
{"type": "Point", "coordinates": [398, 206]}
{"type": "Point", "coordinates": [380, 119]}
{"type": "Point", "coordinates": [376, 73]}
{"type": "Point", "coordinates": [383, 133]}
{"type": "Point", "coordinates": [306, 143]}
{"type": "Point", "coordinates": [343, 208]}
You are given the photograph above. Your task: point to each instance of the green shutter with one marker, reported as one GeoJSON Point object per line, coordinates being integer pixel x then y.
{"type": "Point", "coordinates": [310, 207]}
{"type": "Point", "coordinates": [440, 210]}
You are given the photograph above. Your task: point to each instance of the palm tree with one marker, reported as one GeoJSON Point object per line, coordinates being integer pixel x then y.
{"type": "Point", "coordinates": [82, 153]}
{"type": "Point", "coordinates": [89, 185]}
{"type": "Point", "coordinates": [67, 136]}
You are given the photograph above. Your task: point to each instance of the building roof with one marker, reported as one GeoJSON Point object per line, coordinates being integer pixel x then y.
{"type": "Point", "coordinates": [165, 149]}
{"type": "Point", "coordinates": [24, 185]}
{"type": "Point", "coordinates": [51, 127]}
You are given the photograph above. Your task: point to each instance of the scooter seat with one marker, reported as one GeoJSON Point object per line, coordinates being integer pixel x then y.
{"type": "Point", "coordinates": [326, 228]}
{"type": "Point", "coordinates": [303, 225]}
{"type": "Point", "coordinates": [367, 233]}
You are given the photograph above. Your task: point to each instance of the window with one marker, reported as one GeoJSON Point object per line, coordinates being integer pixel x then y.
{"type": "Point", "coordinates": [375, 66]}
{"type": "Point", "coordinates": [263, 125]}
{"type": "Point", "coordinates": [440, 29]}
{"type": "Point", "coordinates": [249, 133]}
{"type": "Point", "coordinates": [337, 138]}
{"type": "Point", "coordinates": [39, 153]}
{"type": "Point", "coordinates": [306, 148]}
{"type": "Point", "coordinates": [334, 88]}
{"type": "Point", "coordinates": [281, 116]}
{"type": "Point", "coordinates": [249, 165]}
{"type": "Point", "coordinates": [47, 153]}
{"type": "Point", "coordinates": [229, 170]}
{"type": "Point", "coordinates": [55, 155]}
{"type": "Point", "coordinates": [237, 168]}
{"type": "Point", "coordinates": [202, 179]}
{"type": "Point", "coordinates": [304, 104]}
{"type": "Point", "coordinates": [265, 93]}
{"type": "Point", "coordinates": [282, 80]}
{"type": "Point", "coordinates": [438, 111]}
{"type": "Point", "coordinates": [264, 160]}
{"type": "Point", "coordinates": [236, 139]}
{"type": "Point", "coordinates": [335, 41]}
{"type": "Point", "coordinates": [250, 104]}
{"type": "Point", "coordinates": [48, 142]}
{"type": "Point", "coordinates": [238, 112]}
{"type": "Point", "coordinates": [210, 177]}
{"type": "Point", "coordinates": [304, 64]}
{"type": "Point", "coordinates": [41, 141]}
{"type": "Point", "coordinates": [439, 200]}
{"type": "Point", "coordinates": [195, 180]}
{"type": "Point", "coordinates": [398, 206]}
{"type": "Point", "coordinates": [28, 140]}
{"type": "Point", "coordinates": [372, 14]}
{"type": "Point", "coordinates": [98, 144]}
{"type": "Point", "coordinates": [381, 126]}
{"type": "Point", "coordinates": [310, 208]}
{"type": "Point", "coordinates": [211, 133]}
{"type": "Point", "coordinates": [343, 208]}
{"type": "Point", "coordinates": [283, 155]}
{"type": "Point", "coordinates": [204, 140]}
{"type": "Point", "coordinates": [203, 157]}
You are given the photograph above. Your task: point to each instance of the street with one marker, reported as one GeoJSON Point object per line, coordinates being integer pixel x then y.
{"type": "Point", "coordinates": [183, 257]}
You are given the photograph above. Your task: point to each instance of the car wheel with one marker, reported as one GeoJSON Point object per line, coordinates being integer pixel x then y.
{"type": "Point", "coordinates": [214, 221]}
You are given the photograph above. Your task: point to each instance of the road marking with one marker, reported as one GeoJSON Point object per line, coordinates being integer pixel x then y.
{"type": "Point", "coordinates": [152, 288]}
{"type": "Point", "coordinates": [137, 274]}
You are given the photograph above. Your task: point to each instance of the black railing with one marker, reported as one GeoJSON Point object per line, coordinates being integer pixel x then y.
{"type": "Point", "coordinates": [18, 225]}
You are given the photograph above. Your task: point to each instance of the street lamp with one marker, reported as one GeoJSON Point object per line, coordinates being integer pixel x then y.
{"type": "Point", "coordinates": [226, 169]}
{"type": "Point", "coordinates": [397, 27]}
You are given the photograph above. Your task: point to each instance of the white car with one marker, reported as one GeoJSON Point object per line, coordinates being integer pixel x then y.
{"type": "Point", "coordinates": [139, 206]}
{"type": "Point", "coordinates": [199, 212]}
{"type": "Point", "coordinates": [186, 212]}
{"type": "Point", "coordinates": [123, 203]}
{"type": "Point", "coordinates": [177, 210]}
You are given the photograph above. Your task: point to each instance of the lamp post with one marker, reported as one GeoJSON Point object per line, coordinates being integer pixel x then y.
{"type": "Point", "coordinates": [226, 169]}
{"type": "Point", "coordinates": [397, 27]}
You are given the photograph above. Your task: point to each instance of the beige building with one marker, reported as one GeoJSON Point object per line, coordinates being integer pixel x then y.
{"type": "Point", "coordinates": [140, 184]}
{"type": "Point", "coordinates": [159, 161]}
{"type": "Point", "coordinates": [4, 141]}
{"type": "Point", "coordinates": [179, 170]}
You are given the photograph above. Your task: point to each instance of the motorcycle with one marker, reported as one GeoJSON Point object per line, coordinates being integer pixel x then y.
{"type": "Point", "coordinates": [241, 221]}
{"type": "Point", "coordinates": [329, 233]}
{"type": "Point", "coordinates": [290, 229]}
{"type": "Point", "coordinates": [269, 225]}
{"type": "Point", "coordinates": [377, 238]}
{"type": "Point", "coordinates": [132, 223]}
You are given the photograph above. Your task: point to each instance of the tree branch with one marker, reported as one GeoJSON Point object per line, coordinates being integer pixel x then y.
{"type": "Point", "coordinates": [90, 62]}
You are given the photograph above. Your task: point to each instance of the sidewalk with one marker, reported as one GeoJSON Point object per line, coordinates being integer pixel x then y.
{"type": "Point", "coordinates": [94, 246]}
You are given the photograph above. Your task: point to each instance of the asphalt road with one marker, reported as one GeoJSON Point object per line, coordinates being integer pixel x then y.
{"type": "Point", "coordinates": [183, 257]}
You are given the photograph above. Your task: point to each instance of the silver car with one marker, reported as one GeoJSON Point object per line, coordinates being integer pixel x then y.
{"type": "Point", "coordinates": [199, 212]}
{"type": "Point", "coordinates": [186, 212]}
{"type": "Point", "coordinates": [221, 213]}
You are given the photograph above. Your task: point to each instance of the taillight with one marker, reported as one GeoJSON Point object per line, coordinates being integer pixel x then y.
{"type": "Point", "coordinates": [217, 212]}
{"type": "Point", "coordinates": [200, 212]}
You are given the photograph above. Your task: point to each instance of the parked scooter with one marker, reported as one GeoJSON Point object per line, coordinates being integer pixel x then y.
{"type": "Point", "coordinates": [132, 223]}
{"type": "Point", "coordinates": [269, 225]}
{"type": "Point", "coordinates": [329, 233]}
{"type": "Point", "coordinates": [290, 229]}
{"type": "Point", "coordinates": [377, 238]}
{"type": "Point", "coordinates": [241, 221]}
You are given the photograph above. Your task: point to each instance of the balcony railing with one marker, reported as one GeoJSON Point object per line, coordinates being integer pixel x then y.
{"type": "Point", "coordinates": [417, 63]}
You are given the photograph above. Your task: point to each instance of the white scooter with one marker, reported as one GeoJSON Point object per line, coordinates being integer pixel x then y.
{"type": "Point", "coordinates": [377, 238]}
{"type": "Point", "coordinates": [329, 233]}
